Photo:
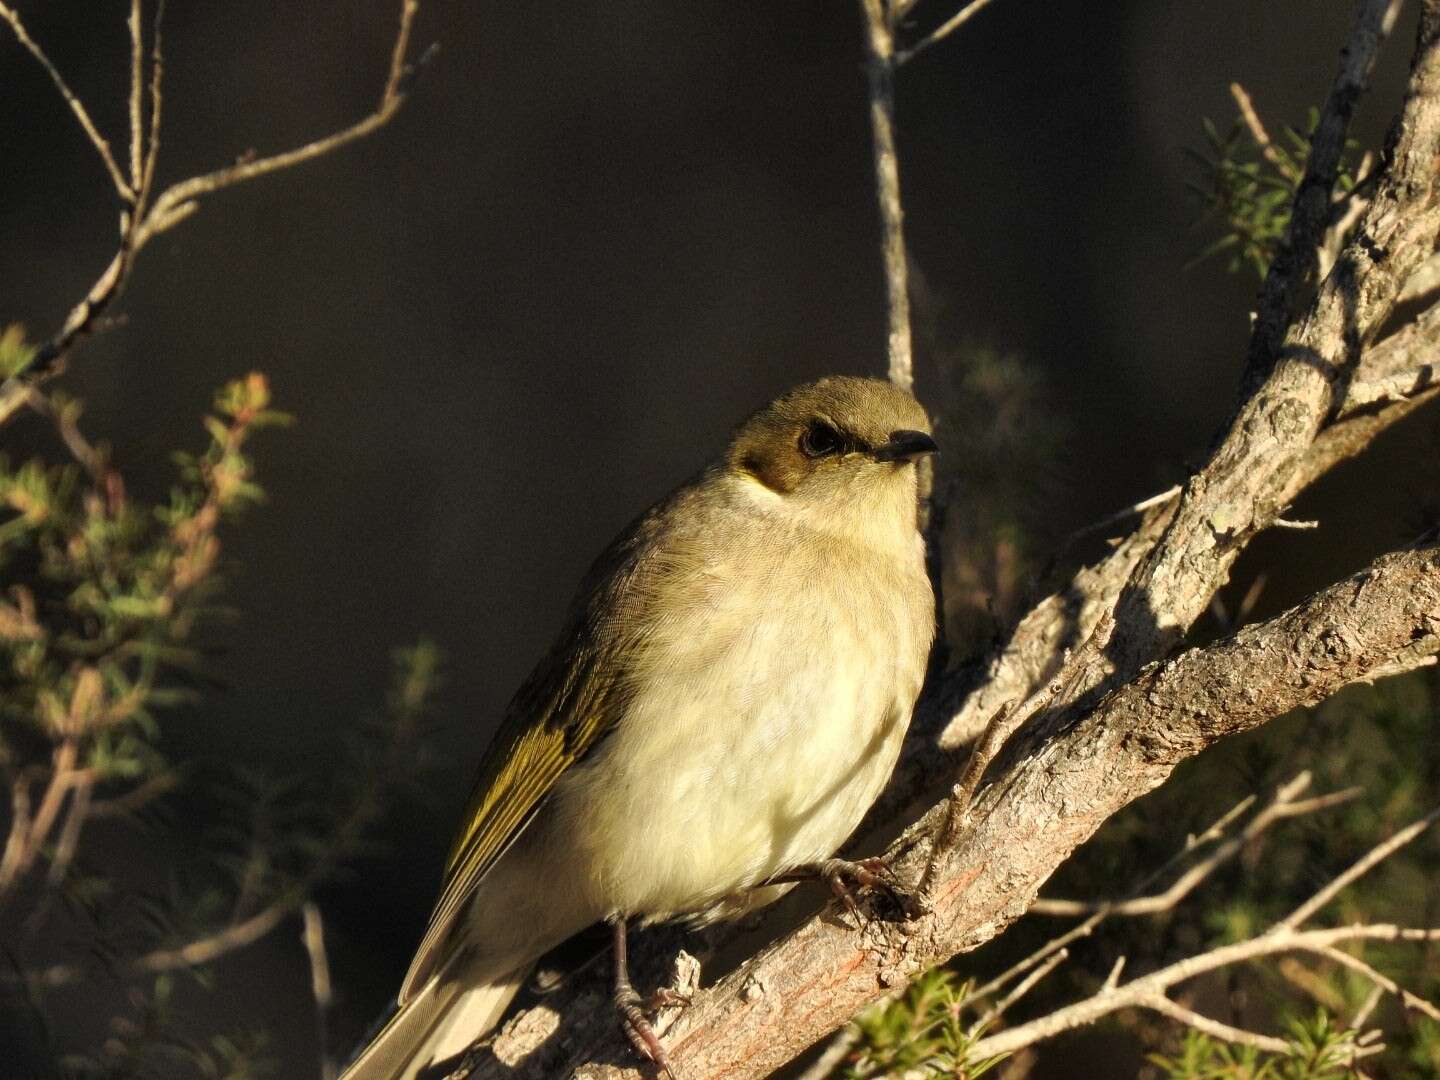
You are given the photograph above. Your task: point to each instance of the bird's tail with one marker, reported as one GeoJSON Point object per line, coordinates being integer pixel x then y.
{"type": "Point", "coordinates": [436, 1024]}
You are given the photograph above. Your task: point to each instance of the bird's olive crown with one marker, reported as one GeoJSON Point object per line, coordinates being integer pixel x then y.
{"type": "Point", "coordinates": [823, 427]}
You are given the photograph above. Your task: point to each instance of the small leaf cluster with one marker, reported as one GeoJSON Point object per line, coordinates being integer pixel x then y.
{"type": "Point", "coordinates": [104, 601]}
{"type": "Point", "coordinates": [104, 589]}
{"type": "Point", "coordinates": [1247, 190]}
{"type": "Point", "coordinates": [925, 1031]}
{"type": "Point", "coordinates": [1319, 1050]}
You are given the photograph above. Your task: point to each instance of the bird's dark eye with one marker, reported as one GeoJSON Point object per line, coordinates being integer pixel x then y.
{"type": "Point", "coordinates": [820, 440]}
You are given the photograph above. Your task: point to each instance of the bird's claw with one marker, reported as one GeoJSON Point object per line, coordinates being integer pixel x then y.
{"type": "Point", "coordinates": [639, 1030]}
{"type": "Point", "coordinates": [847, 879]}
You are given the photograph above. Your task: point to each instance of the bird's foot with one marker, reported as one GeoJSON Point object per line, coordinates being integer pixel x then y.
{"type": "Point", "coordinates": [638, 1029]}
{"type": "Point", "coordinates": [667, 997]}
{"type": "Point", "coordinates": [848, 879]}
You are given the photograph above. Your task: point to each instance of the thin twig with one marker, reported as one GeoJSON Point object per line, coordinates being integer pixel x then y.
{"type": "Point", "coordinates": [137, 97]}
{"type": "Point", "coordinates": [1023, 987]}
{"type": "Point", "coordinates": [76, 106]}
{"type": "Point", "coordinates": [180, 200]}
{"type": "Point", "coordinates": [880, 70]}
{"type": "Point", "coordinates": [1356, 870]}
{"type": "Point", "coordinates": [1119, 517]}
{"type": "Point", "coordinates": [835, 1052]}
{"type": "Point", "coordinates": [1283, 937]}
{"type": "Point", "coordinates": [312, 936]}
{"type": "Point", "coordinates": [175, 198]}
{"type": "Point", "coordinates": [157, 78]}
{"type": "Point", "coordinates": [944, 30]}
{"type": "Point", "coordinates": [1214, 1028]}
{"type": "Point", "coordinates": [1284, 166]}
{"type": "Point", "coordinates": [1054, 945]}
{"type": "Point", "coordinates": [1142, 991]}
{"type": "Point", "coordinates": [1367, 1006]}
{"type": "Point", "coordinates": [1282, 807]}
{"type": "Point", "coordinates": [1411, 1001]}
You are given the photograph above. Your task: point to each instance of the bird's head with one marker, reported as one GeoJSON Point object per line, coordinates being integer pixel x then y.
{"type": "Point", "coordinates": [839, 446]}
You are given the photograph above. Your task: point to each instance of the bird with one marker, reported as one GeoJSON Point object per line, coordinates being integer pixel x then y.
{"type": "Point", "coordinates": [726, 699]}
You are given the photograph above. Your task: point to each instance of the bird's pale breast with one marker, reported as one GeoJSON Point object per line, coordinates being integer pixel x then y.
{"type": "Point", "coordinates": [766, 718]}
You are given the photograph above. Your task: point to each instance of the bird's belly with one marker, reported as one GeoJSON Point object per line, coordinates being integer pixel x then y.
{"type": "Point", "coordinates": [764, 756]}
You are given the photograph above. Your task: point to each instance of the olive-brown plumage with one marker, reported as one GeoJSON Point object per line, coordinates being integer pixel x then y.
{"type": "Point", "coordinates": [727, 698]}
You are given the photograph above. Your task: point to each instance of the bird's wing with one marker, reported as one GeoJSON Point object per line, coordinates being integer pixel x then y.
{"type": "Point", "coordinates": [570, 701]}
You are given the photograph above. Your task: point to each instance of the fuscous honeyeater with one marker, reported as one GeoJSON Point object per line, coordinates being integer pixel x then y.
{"type": "Point", "coordinates": [725, 701]}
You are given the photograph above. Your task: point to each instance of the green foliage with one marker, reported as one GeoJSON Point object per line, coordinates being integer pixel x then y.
{"type": "Point", "coordinates": [924, 1030]}
{"type": "Point", "coordinates": [1247, 190]}
{"type": "Point", "coordinates": [104, 589]}
{"type": "Point", "coordinates": [105, 594]}
{"type": "Point", "coordinates": [1318, 1051]}
{"type": "Point", "coordinates": [15, 352]}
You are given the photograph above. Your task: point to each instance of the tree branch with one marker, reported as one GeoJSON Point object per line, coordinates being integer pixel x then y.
{"type": "Point", "coordinates": [807, 984]}
{"type": "Point", "coordinates": [1296, 261]}
{"type": "Point", "coordinates": [1086, 756]}
{"type": "Point", "coordinates": [1284, 936]}
{"type": "Point", "coordinates": [11, 16]}
{"type": "Point", "coordinates": [143, 223]}
{"type": "Point", "coordinates": [944, 30]}
{"type": "Point", "coordinates": [880, 73]}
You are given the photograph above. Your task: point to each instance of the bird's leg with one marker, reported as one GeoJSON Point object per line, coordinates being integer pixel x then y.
{"type": "Point", "coordinates": [632, 1016]}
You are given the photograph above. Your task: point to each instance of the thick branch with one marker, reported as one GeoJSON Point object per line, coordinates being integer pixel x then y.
{"type": "Point", "coordinates": [1295, 263]}
{"type": "Point", "coordinates": [806, 985]}
{"type": "Point", "coordinates": [1241, 489]}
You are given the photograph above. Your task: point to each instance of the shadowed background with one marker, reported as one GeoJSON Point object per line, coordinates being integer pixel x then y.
{"type": "Point", "coordinates": [596, 236]}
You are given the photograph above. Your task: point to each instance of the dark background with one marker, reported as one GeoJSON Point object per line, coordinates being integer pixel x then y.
{"type": "Point", "coordinates": [597, 235]}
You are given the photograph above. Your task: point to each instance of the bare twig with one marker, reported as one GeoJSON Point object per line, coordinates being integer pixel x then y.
{"type": "Point", "coordinates": [944, 30]}
{"type": "Point", "coordinates": [1282, 164]}
{"type": "Point", "coordinates": [77, 107]}
{"type": "Point", "coordinates": [179, 201]}
{"type": "Point", "coordinates": [157, 79]}
{"type": "Point", "coordinates": [1023, 987]}
{"type": "Point", "coordinates": [1411, 1001]}
{"type": "Point", "coordinates": [1144, 991]}
{"type": "Point", "coordinates": [312, 936]}
{"type": "Point", "coordinates": [1214, 1028]}
{"type": "Point", "coordinates": [880, 71]}
{"type": "Point", "coordinates": [1120, 517]}
{"type": "Point", "coordinates": [1284, 806]}
{"type": "Point", "coordinates": [1362, 866]}
{"type": "Point", "coordinates": [175, 198]}
{"type": "Point", "coordinates": [137, 96]}
{"type": "Point", "coordinates": [1283, 937]}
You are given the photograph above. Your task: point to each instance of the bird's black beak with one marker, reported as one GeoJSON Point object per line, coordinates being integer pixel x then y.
{"type": "Point", "coordinates": [905, 446]}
